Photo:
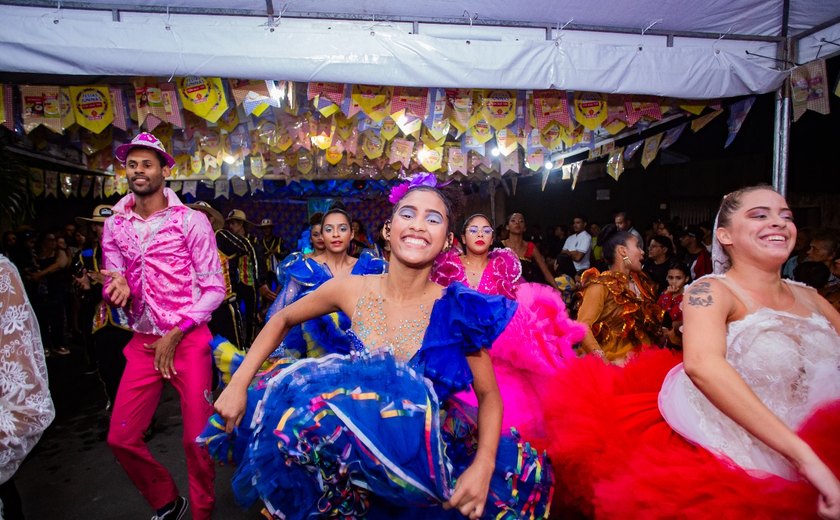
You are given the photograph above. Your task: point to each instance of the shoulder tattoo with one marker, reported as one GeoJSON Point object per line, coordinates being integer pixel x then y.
{"type": "Point", "coordinates": [699, 294]}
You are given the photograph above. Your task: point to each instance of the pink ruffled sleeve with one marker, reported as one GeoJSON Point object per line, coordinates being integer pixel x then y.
{"type": "Point", "coordinates": [448, 268]}
{"type": "Point", "coordinates": [506, 271]}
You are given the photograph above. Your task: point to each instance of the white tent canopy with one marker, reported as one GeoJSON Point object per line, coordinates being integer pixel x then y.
{"type": "Point", "coordinates": [678, 48]}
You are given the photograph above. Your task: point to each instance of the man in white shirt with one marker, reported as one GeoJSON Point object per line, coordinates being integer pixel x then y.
{"type": "Point", "coordinates": [578, 244]}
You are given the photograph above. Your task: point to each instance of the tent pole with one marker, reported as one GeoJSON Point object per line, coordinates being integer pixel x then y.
{"type": "Point", "coordinates": [781, 119]}
{"type": "Point", "coordinates": [781, 140]}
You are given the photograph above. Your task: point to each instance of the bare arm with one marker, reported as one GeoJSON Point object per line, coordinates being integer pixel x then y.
{"type": "Point", "coordinates": [328, 298]}
{"type": "Point", "coordinates": [706, 310]}
{"type": "Point", "coordinates": [471, 489]}
{"type": "Point", "coordinates": [574, 255]}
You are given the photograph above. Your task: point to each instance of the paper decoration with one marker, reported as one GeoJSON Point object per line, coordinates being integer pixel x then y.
{"type": "Point", "coordinates": [239, 186]}
{"type": "Point", "coordinates": [221, 188]}
{"type": "Point", "coordinates": [431, 158]}
{"type": "Point", "coordinates": [640, 107]}
{"type": "Point", "coordinates": [68, 118]}
{"type": "Point", "coordinates": [461, 101]}
{"type": "Point", "coordinates": [544, 180]}
{"type": "Point", "coordinates": [51, 184]}
{"type": "Point", "coordinates": [98, 186]}
{"type": "Point", "coordinates": [401, 152]}
{"type": "Point", "coordinates": [702, 121]}
{"type": "Point", "coordinates": [809, 89]}
{"type": "Point", "coordinates": [551, 105]}
{"type": "Point", "coordinates": [616, 114]}
{"type": "Point", "coordinates": [373, 100]}
{"type": "Point", "coordinates": [590, 109]}
{"type": "Point", "coordinates": [86, 185]}
{"type": "Point", "coordinates": [737, 114]}
{"type": "Point", "coordinates": [121, 183]}
{"type": "Point", "coordinates": [40, 106]}
{"type": "Point", "coordinates": [36, 181]}
{"type": "Point", "coordinates": [631, 149]}
{"type": "Point", "coordinates": [456, 160]}
{"type": "Point", "coordinates": [189, 188]}
{"type": "Point", "coordinates": [334, 153]}
{"type": "Point", "coordinates": [109, 187]}
{"type": "Point", "coordinates": [510, 163]}
{"type": "Point", "coordinates": [615, 164]}
{"type": "Point", "coordinates": [204, 97]}
{"type": "Point", "coordinates": [118, 108]}
{"type": "Point", "coordinates": [256, 185]}
{"type": "Point", "coordinates": [5, 115]}
{"type": "Point", "coordinates": [694, 107]}
{"type": "Point", "coordinates": [498, 108]}
{"type": "Point", "coordinates": [372, 145]}
{"type": "Point", "coordinates": [409, 101]}
{"type": "Point", "coordinates": [651, 149]}
{"type": "Point", "coordinates": [574, 172]}
{"type": "Point", "coordinates": [671, 136]}
{"type": "Point", "coordinates": [437, 120]}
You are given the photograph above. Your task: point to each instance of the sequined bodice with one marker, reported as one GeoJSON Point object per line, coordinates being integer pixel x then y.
{"type": "Point", "coordinates": [791, 362]}
{"type": "Point", "coordinates": [377, 328]}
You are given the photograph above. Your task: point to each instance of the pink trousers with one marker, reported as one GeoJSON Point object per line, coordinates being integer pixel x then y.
{"type": "Point", "coordinates": [138, 397]}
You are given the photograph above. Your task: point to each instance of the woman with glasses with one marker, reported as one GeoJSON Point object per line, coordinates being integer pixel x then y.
{"type": "Point", "coordinates": [539, 336]}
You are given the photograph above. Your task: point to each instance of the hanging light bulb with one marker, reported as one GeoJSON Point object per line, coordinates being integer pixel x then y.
{"type": "Point", "coordinates": [549, 165]}
{"type": "Point", "coordinates": [495, 151]}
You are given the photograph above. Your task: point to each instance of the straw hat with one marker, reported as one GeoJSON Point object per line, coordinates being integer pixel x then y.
{"type": "Point", "coordinates": [100, 214]}
{"type": "Point", "coordinates": [238, 214]}
{"type": "Point", "coordinates": [216, 219]}
{"type": "Point", "coordinates": [266, 222]}
{"type": "Point", "coordinates": [144, 140]}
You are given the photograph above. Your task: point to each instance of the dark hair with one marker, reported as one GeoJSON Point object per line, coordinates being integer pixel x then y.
{"type": "Point", "coordinates": [335, 209]}
{"type": "Point", "coordinates": [831, 236]}
{"type": "Point", "coordinates": [473, 217]}
{"type": "Point", "coordinates": [580, 216]}
{"type": "Point", "coordinates": [730, 203]}
{"type": "Point", "coordinates": [617, 238]}
{"type": "Point", "coordinates": [451, 195]}
{"type": "Point", "coordinates": [510, 216]}
{"type": "Point", "coordinates": [680, 266]}
{"type": "Point", "coordinates": [362, 230]}
{"type": "Point", "coordinates": [665, 242]}
{"type": "Point", "coordinates": [813, 274]}
{"type": "Point", "coordinates": [624, 214]}
{"type": "Point", "coordinates": [566, 266]}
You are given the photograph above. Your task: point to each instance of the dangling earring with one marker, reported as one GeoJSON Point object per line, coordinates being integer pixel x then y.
{"type": "Point", "coordinates": [626, 260]}
{"type": "Point", "coordinates": [387, 230]}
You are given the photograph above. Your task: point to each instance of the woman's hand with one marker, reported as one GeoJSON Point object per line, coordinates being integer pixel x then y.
{"type": "Point", "coordinates": [471, 490]}
{"type": "Point", "coordinates": [231, 406]}
{"type": "Point", "coordinates": [821, 477]}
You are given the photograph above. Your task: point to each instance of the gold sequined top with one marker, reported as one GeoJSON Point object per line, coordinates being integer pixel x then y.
{"type": "Point", "coordinates": [620, 319]}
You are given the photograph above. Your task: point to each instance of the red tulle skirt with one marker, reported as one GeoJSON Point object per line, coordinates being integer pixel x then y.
{"type": "Point", "coordinates": [615, 456]}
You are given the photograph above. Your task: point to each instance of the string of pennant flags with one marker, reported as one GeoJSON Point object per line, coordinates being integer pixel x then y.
{"type": "Point", "coordinates": [235, 133]}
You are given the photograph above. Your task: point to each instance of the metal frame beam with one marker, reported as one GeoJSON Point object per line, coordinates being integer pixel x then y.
{"type": "Point", "coordinates": [116, 7]}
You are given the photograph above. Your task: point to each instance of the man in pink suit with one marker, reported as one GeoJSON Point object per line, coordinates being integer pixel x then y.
{"type": "Point", "coordinates": [161, 265]}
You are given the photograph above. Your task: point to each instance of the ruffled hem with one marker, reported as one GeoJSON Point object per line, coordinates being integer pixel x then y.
{"type": "Point", "coordinates": [616, 457]}
{"type": "Point", "coordinates": [382, 437]}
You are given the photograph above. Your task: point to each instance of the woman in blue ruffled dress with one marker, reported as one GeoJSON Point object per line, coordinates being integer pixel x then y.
{"type": "Point", "coordinates": [300, 274]}
{"type": "Point", "coordinates": [377, 433]}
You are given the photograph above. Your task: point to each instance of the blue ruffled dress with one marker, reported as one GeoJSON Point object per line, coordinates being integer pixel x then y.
{"type": "Point", "coordinates": [365, 436]}
{"type": "Point", "coordinates": [299, 276]}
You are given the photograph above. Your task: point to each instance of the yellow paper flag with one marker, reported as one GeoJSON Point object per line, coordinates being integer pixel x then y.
{"type": "Point", "coordinates": [92, 107]}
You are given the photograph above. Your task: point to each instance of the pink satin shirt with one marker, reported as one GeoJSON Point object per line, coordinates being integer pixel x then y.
{"type": "Point", "coordinates": [170, 263]}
